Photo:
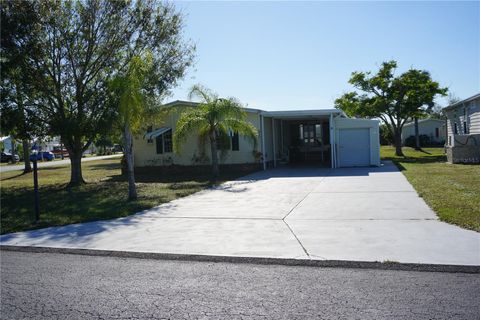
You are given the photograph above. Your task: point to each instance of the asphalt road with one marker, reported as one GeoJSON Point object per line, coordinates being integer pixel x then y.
{"type": "Point", "coordinates": [61, 286]}
{"type": "Point", "coordinates": [55, 163]}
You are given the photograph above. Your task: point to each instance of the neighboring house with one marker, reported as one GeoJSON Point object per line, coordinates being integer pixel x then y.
{"type": "Point", "coordinates": [52, 143]}
{"type": "Point", "coordinates": [47, 143]}
{"type": "Point", "coordinates": [433, 128]}
{"type": "Point", "coordinates": [7, 144]}
{"type": "Point", "coordinates": [303, 136]}
{"type": "Point", "coordinates": [463, 130]}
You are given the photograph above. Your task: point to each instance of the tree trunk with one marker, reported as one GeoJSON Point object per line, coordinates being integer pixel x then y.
{"type": "Point", "coordinates": [213, 149]}
{"type": "Point", "coordinates": [132, 190]}
{"type": "Point", "coordinates": [417, 137]}
{"type": "Point", "coordinates": [26, 156]}
{"type": "Point", "coordinates": [76, 177]}
{"type": "Point", "coordinates": [398, 143]}
{"type": "Point", "coordinates": [13, 151]}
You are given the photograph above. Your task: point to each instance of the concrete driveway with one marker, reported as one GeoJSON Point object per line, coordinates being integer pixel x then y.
{"type": "Point", "coordinates": [361, 214]}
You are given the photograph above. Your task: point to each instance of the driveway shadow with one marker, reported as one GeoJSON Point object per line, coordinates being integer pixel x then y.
{"type": "Point", "coordinates": [70, 235]}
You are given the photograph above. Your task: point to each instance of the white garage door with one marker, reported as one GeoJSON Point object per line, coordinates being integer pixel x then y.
{"type": "Point", "coordinates": [354, 147]}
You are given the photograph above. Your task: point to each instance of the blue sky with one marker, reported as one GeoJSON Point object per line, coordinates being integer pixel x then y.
{"type": "Point", "coordinates": [299, 55]}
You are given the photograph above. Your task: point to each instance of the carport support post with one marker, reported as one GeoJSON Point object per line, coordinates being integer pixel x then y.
{"type": "Point", "coordinates": [274, 143]}
{"type": "Point", "coordinates": [281, 139]}
{"type": "Point", "coordinates": [332, 142]}
{"type": "Point", "coordinates": [262, 129]}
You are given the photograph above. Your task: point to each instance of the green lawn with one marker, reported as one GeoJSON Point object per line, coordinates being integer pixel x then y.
{"type": "Point", "coordinates": [451, 190]}
{"type": "Point", "coordinates": [103, 197]}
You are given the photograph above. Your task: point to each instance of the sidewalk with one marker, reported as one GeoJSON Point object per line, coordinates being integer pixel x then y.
{"type": "Point", "coordinates": [56, 163]}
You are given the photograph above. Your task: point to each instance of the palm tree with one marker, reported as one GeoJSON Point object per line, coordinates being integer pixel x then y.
{"type": "Point", "coordinates": [213, 118]}
{"type": "Point", "coordinates": [133, 109]}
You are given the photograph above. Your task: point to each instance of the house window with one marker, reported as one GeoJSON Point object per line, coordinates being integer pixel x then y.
{"type": "Point", "coordinates": [235, 142]}
{"type": "Point", "coordinates": [455, 130]}
{"type": "Point", "coordinates": [159, 143]}
{"type": "Point", "coordinates": [149, 129]}
{"type": "Point", "coordinates": [167, 141]}
{"type": "Point", "coordinates": [222, 140]}
{"type": "Point", "coordinates": [310, 134]}
{"type": "Point", "coordinates": [437, 132]}
{"type": "Point", "coordinates": [164, 142]}
{"type": "Point", "coordinates": [465, 128]}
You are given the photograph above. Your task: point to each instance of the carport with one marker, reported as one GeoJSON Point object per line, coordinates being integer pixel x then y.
{"type": "Point", "coordinates": [325, 138]}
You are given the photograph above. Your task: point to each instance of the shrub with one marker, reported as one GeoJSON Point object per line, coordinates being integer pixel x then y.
{"type": "Point", "coordinates": [386, 137]}
{"type": "Point", "coordinates": [424, 141]}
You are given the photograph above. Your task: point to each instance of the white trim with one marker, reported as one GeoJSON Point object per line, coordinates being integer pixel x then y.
{"type": "Point", "coordinates": [262, 129]}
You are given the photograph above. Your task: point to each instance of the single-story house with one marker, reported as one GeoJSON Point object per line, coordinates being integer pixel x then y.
{"type": "Point", "coordinates": [434, 129]}
{"type": "Point", "coordinates": [324, 137]}
{"type": "Point", "coordinates": [463, 130]}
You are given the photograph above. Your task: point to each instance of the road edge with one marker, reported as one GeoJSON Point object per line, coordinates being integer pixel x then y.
{"type": "Point", "coordinates": [253, 260]}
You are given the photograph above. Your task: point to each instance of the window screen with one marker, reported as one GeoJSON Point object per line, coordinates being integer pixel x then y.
{"type": "Point", "coordinates": [159, 144]}
{"type": "Point", "coordinates": [235, 142]}
{"type": "Point", "coordinates": [167, 141]}
{"type": "Point", "coordinates": [164, 142]}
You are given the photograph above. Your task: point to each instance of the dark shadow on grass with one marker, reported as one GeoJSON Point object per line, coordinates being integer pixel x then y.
{"type": "Point", "coordinates": [175, 178]}
{"type": "Point", "coordinates": [16, 176]}
{"type": "Point", "coordinates": [422, 160]}
{"type": "Point", "coordinates": [105, 166]}
{"type": "Point", "coordinates": [60, 205]}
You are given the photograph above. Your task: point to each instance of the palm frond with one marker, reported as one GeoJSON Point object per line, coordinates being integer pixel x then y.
{"type": "Point", "coordinates": [202, 92]}
{"type": "Point", "coordinates": [189, 121]}
{"type": "Point", "coordinates": [243, 128]}
{"type": "Point", "coordinates": [230, 108]}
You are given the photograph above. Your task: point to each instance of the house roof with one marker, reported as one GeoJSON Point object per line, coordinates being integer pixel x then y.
{"type": "Point", "coordinates": [459, 103]}
{"type": "Point", "coordinates": [424, 120]}
{"type": "Point", "coordinates": [194, 104]}
{"type": "Point", "coordinates": [302, 113]}
{"type": "Point", "coordinates": [291, 114]}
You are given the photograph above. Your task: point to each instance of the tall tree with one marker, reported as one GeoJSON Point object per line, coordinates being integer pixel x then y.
{"type": "Point", "coordinates": [18, 43]}
{"type": "Point", "coordinates": [213, 118]}
{"type": "Point", "coordinates": [83, 46]}
{"type": "Point", "coordinates": [393, 99]}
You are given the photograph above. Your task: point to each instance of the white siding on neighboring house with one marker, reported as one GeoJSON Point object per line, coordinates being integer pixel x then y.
{"type": "Point", "coordinates": [465, 117]}
{"type": "Point", "coordinates": [433, 128]}
{"type": "Point", "coordinates": [474, 114]}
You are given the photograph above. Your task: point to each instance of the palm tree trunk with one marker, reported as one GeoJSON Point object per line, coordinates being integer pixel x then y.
{"type": "Point", "coordinates": [417, 137]}
{"type": "Point", "coordinates": [213, 149]}
{"type": "Point", "coordinates": [132, 189]}
{"type": "Point", "coordinates": [26, 156]}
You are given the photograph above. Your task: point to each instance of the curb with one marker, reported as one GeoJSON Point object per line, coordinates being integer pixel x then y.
{"type": "Point", "coordinates": [254, 260]}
